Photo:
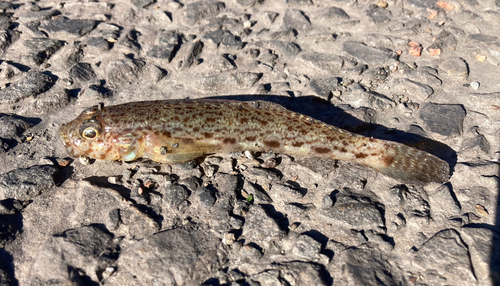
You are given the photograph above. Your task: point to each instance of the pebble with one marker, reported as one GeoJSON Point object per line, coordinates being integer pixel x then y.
{"type": "Point", "coordinates": [31, 85]}
{"type": "Point", "coordinates": [444, 119]}
{"type": "Point", "coordinates": [373, 56]}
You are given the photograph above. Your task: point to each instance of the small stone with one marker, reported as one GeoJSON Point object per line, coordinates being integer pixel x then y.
{"type": "Point", "coordinates": [307, 247]}
{"type": "Point", "coordinates": [76, 27]}
{"type": "Point", "coordinates": [336, 14]}
{"type": "Point", "coordinates": [201, 10]}
{"type": "Point", "coordinates": [124, 71]}
{"type": "Point", "coordinates": [82, 72]}
{"type": "Point", "coordinates": [142, 3]}
{"type": "Point", "coordinates": [232, 81]}
{"type": "Point", "coordinates": [323, 62]}
{"type": "Point", "coordinates": [455, 68]}
{"type": "Point", "coordinates": [296, 19]}
{"type": "Point", "coordinates": [445, 119]}
{"type": "Point", "coordinates": [192, 53]}
{"type": "Point", "coordinates": [373, 56]}
{"type": "Point", "coordinates": [31, 85]}
{"type": "Point", "coordinates": [12, 127]}
{"type": "Point", "coordinates": [225, 39]}
{"type": "Point", "coordinates": [474, 85]}
{"type": "Point", "coordinates": [480, 58]}
{"type": "Point", "coordinates": [354, 211]}
{"type": "Point", "coordinates": [175, 194]}
{"type": "Point", "coordinates": [25, 184]}
{"type": "Point", "coordinates": [325, 87]}
{"type": "Point", "coordinates": [130, 40]}
{"type": "Point", "coordinates": [207, 197]}
{"type": "Point", "coordinates": [41, 49]}
{"type": "Point", "coordinates": [99, 42]}
{"type": "Point", "coordinates": [446, 254]}
{"type": "Point", "coordinates": [247, 3]}
{"type": "Point", "coordinates": [378, 14]}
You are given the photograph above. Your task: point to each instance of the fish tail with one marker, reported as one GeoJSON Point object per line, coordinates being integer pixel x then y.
{"type": "Point", "coordinates": [412, 165]}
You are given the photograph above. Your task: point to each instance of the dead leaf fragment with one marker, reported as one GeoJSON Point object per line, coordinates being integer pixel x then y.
{"type": "Point", "coordinates": [481, 210]}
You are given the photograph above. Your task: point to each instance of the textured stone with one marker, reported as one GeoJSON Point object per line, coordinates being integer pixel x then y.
{"type": "Point", "coordinates": [261, 224]}
{"type": "Point", "coordinates": [124, 71]}
{"type": "Point", "coordinates": [414, 201]}
{"type": "Point", "coordinates": [82, 72]}
{"type": "Point", "coordinates": [378, 14]}
{"type": "Point", "coordinates": [373, 56]}
{"type": "Point", "coordinates": [201, 10]}
{"type": "Point", "coordinates": [25, 184]}
{"type": "Point", "coordinates": [206, 197]}
{"type": "Point", "coordinates": [12, 127]}
{"type": "Point", "coordinates": [174, 195]}
{"type": "Point", "coordinates": [231, 81]}
{"type": "Point", "coordinates": [358, 212]}
{"type": "Point", "coordinates": [322, 61]}
{"type": "Point", "coordinates": [75, 27]}
{"type": "Point", "coordinates": [142, 3]}
{"type": "Point", "coordinates": [167, 45]}
{"type": "Point", "coordinates": [41, 49]}
{"type": "Point", "coordinates": [455, 68]}
{"type": "Point", "coordinates": [88, 249]}
{"type": "Point", "coordinates": [173, 257]}
{"type": "Point", "coordinates": [446, 254]}
{"type": "Point", "coordinates": [32, 84]}
{"type": "Point", "coordinates": [445, 119]}
{"type": "Point", "coordinates": [225, 39]}
{"type": "Point", "coordinates": [325, 86]}
{"type": "Point", "coordinates": [336, 14]}
{"type": "Point", "coordinates": [296, 19]}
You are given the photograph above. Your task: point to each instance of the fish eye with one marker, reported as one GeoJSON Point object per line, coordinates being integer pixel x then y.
{"type": "Point", "coordinates": [90, 129]}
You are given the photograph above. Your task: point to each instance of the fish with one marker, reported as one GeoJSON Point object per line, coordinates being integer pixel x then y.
{"type": "Point", "coordinates": [176, 131]}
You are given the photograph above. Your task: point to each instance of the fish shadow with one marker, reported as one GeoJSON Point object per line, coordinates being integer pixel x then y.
{"type": "Point", "coordinates": [325, 111]}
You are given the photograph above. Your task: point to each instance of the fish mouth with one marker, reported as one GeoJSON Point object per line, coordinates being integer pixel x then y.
{"type": "Point", "coordinates": [64, 135]}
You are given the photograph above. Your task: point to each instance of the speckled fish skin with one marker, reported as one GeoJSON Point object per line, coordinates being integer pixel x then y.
{"type": "Point", "coordinates": [175, 131]}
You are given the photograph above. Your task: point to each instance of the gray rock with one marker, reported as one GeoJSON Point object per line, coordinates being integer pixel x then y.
{"type": "Point", "coordinates": [415, 90]}
{"type": "Point", "coordinates": [307, 247]}
{"type": "Point", "coordinates": [94, 92]}
{"type": "Point", "coordinates": [174, 195]}
{"type": "Point", "coordinates": [192, 52]}
{"type": "Point", "coordinates": [124, 71]}
{"type": "Point", "coordinates": [46, 102]}
{"type": "Point", "coordinates": [445, 253]}
{"type": "Point", "coordinates": [222, 63]}
{"type": "Point", "coordinates": [232, 81]}
{"type": "Point", "coordinates": [257, 193]}
{"type": "Point", "coordinates": [201, 10]}
{"type": "Point", "coordinates": [299, 2]}
{"type": "Point", "coordinates": [99, 42]}
{"type": "Point", "coordinates": [485, 243]}
{"type": "Point", "coordinates": [445, 119]}
{"type": "Point", "coordinates": [7, 37]}
{"type": "Point", "coordinates": [443, 202]}
{"type": "Point", "coordinates": [414, 201]}
{"type": "Point", "coordinates": [261, 225]}
{"type": "Point", "coordinates": [320, 61]}
{"type": "Point", "coordinates": [41, 49]}
{"type": "Point", "coordinates": [456, 68]}
{"type": "Point", "coordinates": [336, 14]}
{"type": "Point", "coordinates": [294, 273]}
{"type": "Point", "coordinates": [12, 127]}
{"type": "Point", "coordinates": [358, 212]}
{"type": "Point", "coordinates": [225, 39]}
{"type": "Point", "coordinates": [287, 191]}
{"type": "Point", "coordinates": [76, 27]}
{"type": "Point", "coordinates": [168, 44]}
{"type": "Point", "coordinates": [142, 3]}
{"type": "Point", "coordinates": [423, 75]}
{"type": "Point", "coordinates": [40, 15]}
{"type": "Point", "coordinates": [173, 257]}
{"type": "Point", "coordinates": [225, 183]}
{"type": "Point", "coordinates": [423, 3]}
{"type": "Point", "coordinates": [32, 84]}
{"type": "Point", "coordinates": [288, 49]}
{"type": "Point", "coordinates": [25, 184]}
{"type": "Point", "coordinates": [137, 223]}
{"type": "Point", "coordinates": [296, 19]}
{"type": "Point", "coordinates": [364, 266]}
{"type": "Point", "coordinates": [378, 14]}
{"type": "Point", "coordinates": [82, 72]}
{"type": "Point", "coordinates": [206, 197]}
{"type": "Point", "coordinates": [75, 257]}
{"type": "Point", "coordinates": [325, 86]}
{"type": "Point", "coordinates": [483, 38]}
{"type": "Point", "coordinates": [247, 3]}
{"type": "Point", "coordinates": [130, 40]}
{"type": "Point", "coordinates": [373, 56]}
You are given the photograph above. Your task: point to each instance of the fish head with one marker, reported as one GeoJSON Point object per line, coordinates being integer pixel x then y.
{"type": "Point", "coordinates": [87, 135]}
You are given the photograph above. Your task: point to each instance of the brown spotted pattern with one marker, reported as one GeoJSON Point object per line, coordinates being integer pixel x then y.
{"type": "Point", "coordinates": [174, 131]}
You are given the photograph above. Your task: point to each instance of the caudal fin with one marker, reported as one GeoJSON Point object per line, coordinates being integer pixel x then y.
{"type": "Point", "coordinates": [415, 166]}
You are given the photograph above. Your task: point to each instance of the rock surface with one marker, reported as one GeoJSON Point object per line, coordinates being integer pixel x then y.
{"type": "Point", "coordinates": [419, 72]}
